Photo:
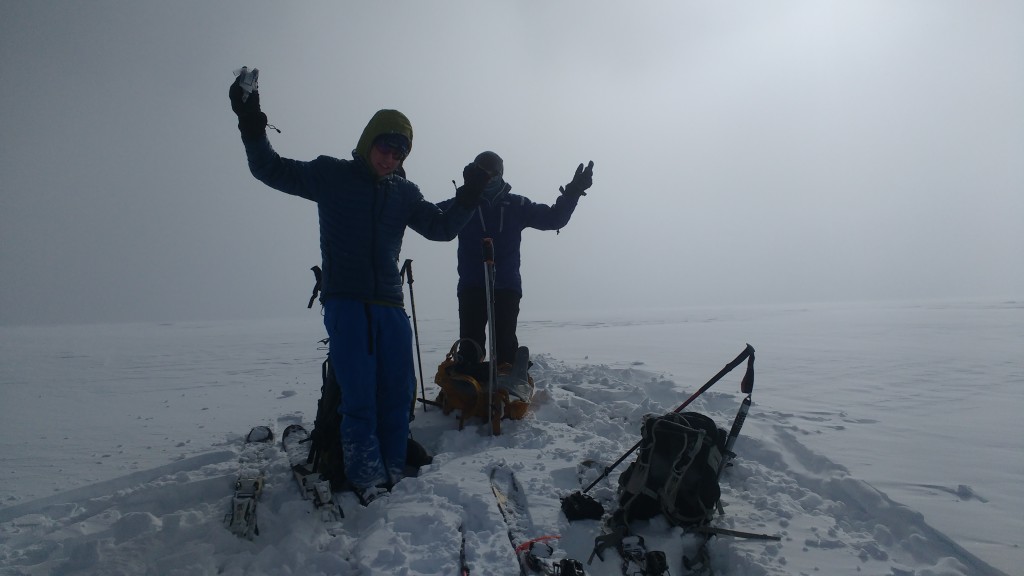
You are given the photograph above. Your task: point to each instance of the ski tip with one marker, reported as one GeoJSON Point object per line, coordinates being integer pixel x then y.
{"type": "Point", "coordinates": [260, 434]}
{"type": "Point", "coordinates": [292, 429]}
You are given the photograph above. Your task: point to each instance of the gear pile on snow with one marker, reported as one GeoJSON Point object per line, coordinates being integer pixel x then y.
{"type": "Point", "coordinates": [466, 389]}
{"type": "Point", "coordinates": [676, 474]}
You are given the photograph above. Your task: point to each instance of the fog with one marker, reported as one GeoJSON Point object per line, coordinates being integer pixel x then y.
{"type": "Point", "coordinates": [745, 152]}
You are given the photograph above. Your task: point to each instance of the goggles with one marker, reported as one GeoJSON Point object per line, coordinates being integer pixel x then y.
{"type": "Point", "coordinates": [388, 149]}
{"type": "Point", "coordinates": [396, 145]}
{"type": "Point", "coordinates": [490, 173]}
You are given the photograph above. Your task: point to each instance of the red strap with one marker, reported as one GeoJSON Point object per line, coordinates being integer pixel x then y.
{"type": "Point", "coordinates": [526, 545]}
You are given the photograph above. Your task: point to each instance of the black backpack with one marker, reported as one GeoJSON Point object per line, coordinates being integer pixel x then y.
{"type": "Point", "coordinates": [676, 471]}
{"type": "Point", "coordinates": [325, 453]}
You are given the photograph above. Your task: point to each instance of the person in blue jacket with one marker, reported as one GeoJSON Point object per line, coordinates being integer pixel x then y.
{"type": "Point", "coordinates": [364, 206]}
{"type": "Point", "coordinates": [502, 216]}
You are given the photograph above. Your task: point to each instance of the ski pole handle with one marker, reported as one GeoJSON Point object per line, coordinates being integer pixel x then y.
{"type": "Point", "coordinates": [747, 384]}
{"type": "Point", "coordinates": [747, 354]}
{"type": "Point", "coordinates": [406, 270]}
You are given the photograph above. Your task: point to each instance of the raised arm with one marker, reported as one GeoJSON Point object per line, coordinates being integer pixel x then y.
{"type": "Point", "coordinates": [544, 217]}
{"type": "Point", "coordinates": [289, 176]}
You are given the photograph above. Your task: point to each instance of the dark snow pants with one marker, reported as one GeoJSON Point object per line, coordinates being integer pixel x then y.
{"type": "Point", "coordinates": [473, 323]}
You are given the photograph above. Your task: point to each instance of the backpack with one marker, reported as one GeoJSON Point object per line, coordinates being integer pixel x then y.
{"type": "Point", "coordinates": [676, 470]}
{"type": "Point", "coordinates": [325, 454]}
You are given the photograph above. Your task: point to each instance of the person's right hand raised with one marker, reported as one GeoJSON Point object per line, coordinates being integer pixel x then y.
{"type": "Point", "coordinates": [252, 122]}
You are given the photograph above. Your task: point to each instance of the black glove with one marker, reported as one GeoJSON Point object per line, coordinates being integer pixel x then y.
{"type": "Point", "coordinates": [581, 181]}
{"type": "Point", "coordinates": [252, 122]}
{"type": "Point", "coordinates": [475, 179]}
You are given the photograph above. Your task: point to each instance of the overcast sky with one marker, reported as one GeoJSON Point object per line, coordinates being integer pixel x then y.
{"type": "Point", "coordinates": [746, 152]}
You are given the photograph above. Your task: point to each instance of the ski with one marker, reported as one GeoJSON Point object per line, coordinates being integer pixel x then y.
{"type": "Point", "coordinates": [241, 519]}
{"type": "Point", "coordinates": [534, 554]}
{"type": "Point", "coordinates": [463, 563]}
{"type": "Point", "coordinates": [494, 414]}
{"type": "Point", "coordinates": [312, 485]}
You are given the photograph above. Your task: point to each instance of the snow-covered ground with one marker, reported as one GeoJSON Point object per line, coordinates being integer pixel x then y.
{"type": "Point", "coordinates": [883, 440]}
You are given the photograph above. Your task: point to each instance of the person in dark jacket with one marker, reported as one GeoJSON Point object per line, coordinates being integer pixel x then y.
{"type": "Point", "coordinates": [502, 216]}
{"type": "Point", "coordinates": [364, 205]}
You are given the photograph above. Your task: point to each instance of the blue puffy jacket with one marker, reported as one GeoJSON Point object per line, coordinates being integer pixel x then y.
{"type": "Point", "coordinates": [503, 220]}
{"type": "Point", "coordinates": [362, 218]}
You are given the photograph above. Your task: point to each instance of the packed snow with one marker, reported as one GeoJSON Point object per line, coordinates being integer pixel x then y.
{"type": "Point", "coordinates": [883, 440]}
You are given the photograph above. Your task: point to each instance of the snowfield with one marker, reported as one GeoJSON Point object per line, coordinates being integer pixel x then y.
{"type": "Point", "coordinates": [877, 444]}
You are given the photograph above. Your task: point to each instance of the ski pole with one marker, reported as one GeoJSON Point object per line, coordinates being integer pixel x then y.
{"type": "Point", "coordinates": [407, 271]}
{"type": "Point", "coordinates": [488, 247]}
{"type": "Point", "coordinates": [747, 382]}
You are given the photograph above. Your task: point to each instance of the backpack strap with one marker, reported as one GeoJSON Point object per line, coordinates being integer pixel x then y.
{"type": "Point", "coordinates": [687, 458]}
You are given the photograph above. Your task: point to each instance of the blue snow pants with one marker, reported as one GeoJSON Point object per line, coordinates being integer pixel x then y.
{"type": "Point", "coordinates": [371, 352]}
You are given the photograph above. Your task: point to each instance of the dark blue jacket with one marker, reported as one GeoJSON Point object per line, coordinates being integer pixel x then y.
{"type": "Point", "coordinates": [362, 219]}
{"type": "Point", "coordinates": [503, 220]}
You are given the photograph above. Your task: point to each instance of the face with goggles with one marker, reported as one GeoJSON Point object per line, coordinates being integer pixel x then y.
{"type": "Point", "coordinates": [491, 173]}
{"type": "Point", "coordinates": [387, 154]}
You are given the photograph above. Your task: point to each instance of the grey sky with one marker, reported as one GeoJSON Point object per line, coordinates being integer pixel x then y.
{"type": "Point", "coordinates": [745, 152]}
